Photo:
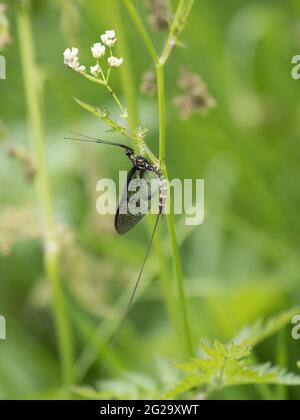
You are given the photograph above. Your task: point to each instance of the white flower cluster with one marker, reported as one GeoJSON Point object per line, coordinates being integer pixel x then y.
{"type": "Point", "coordinates": [72, 61]}
{"type": "Point", "coordinates": [114, 61]}
{"type": "Point", "coordinates": [98, 51]}
{"type": "Point", "coordinates": [109, 38]}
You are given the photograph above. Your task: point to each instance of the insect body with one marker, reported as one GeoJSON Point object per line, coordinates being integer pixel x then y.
{"type": "Point", "coordinates": [141, 163]}
{"type": "Point", "coordinates": [126, 220]}
{"type": "Point", "coordinates": [141, 168]}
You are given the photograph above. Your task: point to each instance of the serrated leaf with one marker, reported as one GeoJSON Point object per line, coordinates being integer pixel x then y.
{"type": "Point", "coordinates": [260, 331]}
{"type": "Point", "coordinates": [136, 386]}
{"type": "Point", "coordinates": [188, 383]}
{"type": "Point", "coordinates": [105, 116]}
{"type": "Point", "coordinates": [223, 365]}
{"type": "Point", "coordinates": [131, 386]}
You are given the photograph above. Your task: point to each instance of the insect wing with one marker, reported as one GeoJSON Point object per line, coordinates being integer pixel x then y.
{"type": "Point", "coordinates": [133, 208]}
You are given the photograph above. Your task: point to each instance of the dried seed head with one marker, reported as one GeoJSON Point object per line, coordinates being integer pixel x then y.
{"type": "Point", "coordinates": [29, 171]}
{"type": "Point", "coordinates": [11, 152]}
{"type": "Point", "coordinates": [160, 13]}
{"type": "Point", "coordinates": [149, 84]}
{"type": "Point", "coordinates": [25, 160]}
{"type": "Point", "coordinates": [195, 98]}
{"type": "Point", "coordinates": [17, 224]}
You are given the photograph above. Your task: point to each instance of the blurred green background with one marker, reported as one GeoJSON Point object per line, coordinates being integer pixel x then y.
{"type": "Point", "coordinates": [240, 265]}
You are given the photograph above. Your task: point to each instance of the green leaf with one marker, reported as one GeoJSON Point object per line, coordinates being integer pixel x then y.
{"type": "Point", "coordinates": [260, 331]}
{"type": "Point", "coordinates": [131, 386]}
{"type": "Point", "coordinates": [105, 116]}
{"type": "Point", "coordinates": [136, 386]}
{"type": "Point", "coordinates": [221, 365]}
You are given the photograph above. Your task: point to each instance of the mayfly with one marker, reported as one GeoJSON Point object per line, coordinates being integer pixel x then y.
{"type": "Point", "coordinates": [127, 220]}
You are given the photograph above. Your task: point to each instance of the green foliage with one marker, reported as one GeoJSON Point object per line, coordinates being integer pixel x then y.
{"type": "Point", "coordinates": [105, 116]}
{"type": "Point", "coordinates": [70, 18]}
{"type": "Point", "coordinates": [182, 16]}
{"type": "Point", "coordinates": [138, 135]}
{"type": "Point", "coordinates": [26, 366]}
{"type": "Point", "coordinates": [253, 335]}
{"type": "Point", "coordinates": [223, 365]}
{"type": "Point", "coordinates": [132, 385]}
{"type": "Point", "coordinates": [2, 130]}
{"type": "Point", "coordinates": [217, 366]}
{"type": "Point", "coordinates": [242, 264]}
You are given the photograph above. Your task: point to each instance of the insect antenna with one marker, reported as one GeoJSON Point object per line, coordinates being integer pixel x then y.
{"type": "Point", "coordinates": [114, 337]}
{"type": "Point", "coordinates": [89, 139]}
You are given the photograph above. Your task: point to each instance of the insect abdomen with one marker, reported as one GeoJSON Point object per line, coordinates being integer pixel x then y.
{"type": "Point", "coordinates": [163, 192]}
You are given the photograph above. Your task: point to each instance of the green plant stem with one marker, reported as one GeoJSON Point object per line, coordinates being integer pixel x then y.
{"type": "Point", "coordinates": [91, 354]}
{"type": "Point", "coordinates": [94, 79]}
{"type": "Point", "coordinates": [160, 75]}
{"type": "Point", "coordinates": [107, 86]}
{"type": "Point", "coordinates": [159, 64]}
{"type": "Point", "coordinates": [126, 71]}
{"type": "Point", "coordinates": [265, 392]}
{"type": "Point", "coordinates": [69, 20]}
{"type": "Point", "coordinates": [129, 90]}
{"type": "Point", "coordinates": [101, 71]}
{"type": "Point", "coordinates": [51, 246]}
{"type": "Point", "coordinates": [116, 99]}
{"type": "Point", "coordinates": [166, 285]}
{"type": "Point", "coordinates": [170, 215]}
{"type": "Point", "coordinates": [141, 29]}
{"type": "Point", "coordinates": [181, 16]}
